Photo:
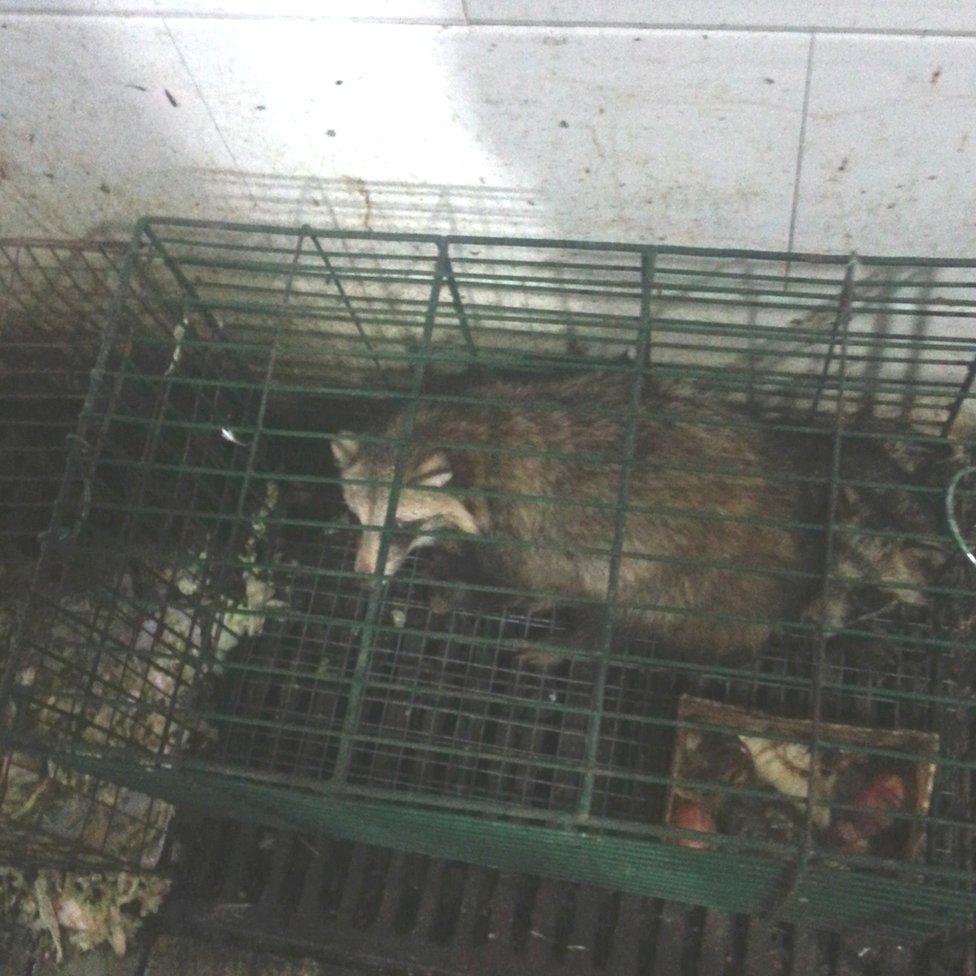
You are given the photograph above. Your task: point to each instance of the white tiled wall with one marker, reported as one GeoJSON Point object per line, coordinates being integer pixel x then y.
{"type": "Point", "coordinates": [887, 161]}
{"type": "Point", "coordinates": [823, 126]}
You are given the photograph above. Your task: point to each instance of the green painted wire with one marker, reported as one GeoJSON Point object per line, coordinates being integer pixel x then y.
{"type": "Point", "coordinates": [951, 515]}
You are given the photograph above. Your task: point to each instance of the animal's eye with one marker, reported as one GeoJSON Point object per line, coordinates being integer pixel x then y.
{"type": "Point", "coordinates": [409, 523]}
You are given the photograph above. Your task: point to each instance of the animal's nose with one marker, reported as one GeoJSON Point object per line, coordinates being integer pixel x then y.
{"type": "Point", "coordinates": [365, 560]}
{"type": "Point", "coordinates": [363, 564]}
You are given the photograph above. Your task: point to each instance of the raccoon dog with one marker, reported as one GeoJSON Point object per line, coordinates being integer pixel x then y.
{"type": "Point", "coordinates": [530, 470]}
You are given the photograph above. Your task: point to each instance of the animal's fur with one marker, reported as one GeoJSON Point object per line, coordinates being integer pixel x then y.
{"type": "Point", "coordinates": [889, 527]}
{"type": "Point", "coordinates": [701, 540]}
{"type": "Point", "coordinates": [714, 548]}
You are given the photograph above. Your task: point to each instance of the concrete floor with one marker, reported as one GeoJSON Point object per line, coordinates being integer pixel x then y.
{"type": "Point", "coordinates": [167, 956]}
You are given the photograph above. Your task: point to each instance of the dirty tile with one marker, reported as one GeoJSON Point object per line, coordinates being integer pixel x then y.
{"type": "Point", "coordinates": [900, 15]}
{"type": "Point", "coordinates": [171, 956]}
{"type": "Point", "coordinates": [19, 215]}
{"type": "Point", "coordinates": [597, 134]}
{"type": "Point", "coordinates": [890, 152]}
{"type": "Point", "coordinates": [101, 123]}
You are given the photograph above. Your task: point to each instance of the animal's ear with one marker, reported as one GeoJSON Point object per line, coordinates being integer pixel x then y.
{"type": "Point", "coordinates": [434, 471]}
{"type": "Point", "coordinates": [344, 449]}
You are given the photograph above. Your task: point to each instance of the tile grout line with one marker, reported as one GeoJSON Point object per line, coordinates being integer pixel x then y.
{"type": "Point", "coordinates": [798, 172]}
{"type": "Point", "coordinates": [715, 27]}
{"type": "Point", "coordinates": [718, 27]}
{"type": "Point", "coordinates": [206, 106]}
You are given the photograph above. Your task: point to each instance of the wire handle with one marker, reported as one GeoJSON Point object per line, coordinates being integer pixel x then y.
{"type": "Point", "coordinates": [951, 515]}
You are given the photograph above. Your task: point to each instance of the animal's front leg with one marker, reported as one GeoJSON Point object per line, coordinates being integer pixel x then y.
{"type": "Point", "coordinates": [551, 634]}
{"type": "Point", "coordinates": [451, 583]}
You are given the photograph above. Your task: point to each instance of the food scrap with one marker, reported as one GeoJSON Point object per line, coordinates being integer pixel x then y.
{"type": "Point", "coordinates": [874, 805]}
{"type": "Point", "coordinates": [755, 776]}
{"type": "Point", "coordinates": [692, 815]}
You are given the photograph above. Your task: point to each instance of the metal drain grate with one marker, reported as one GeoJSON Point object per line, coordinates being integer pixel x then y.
{"type": "Point", "coordinates": [377, 910]}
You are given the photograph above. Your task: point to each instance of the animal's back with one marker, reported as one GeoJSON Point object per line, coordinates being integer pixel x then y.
{"type": "Point", "coordinates": [704, 540]}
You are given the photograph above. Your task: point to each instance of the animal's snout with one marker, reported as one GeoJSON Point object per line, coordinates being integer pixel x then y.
{"type": "Point", "coordinates": [368, 554]}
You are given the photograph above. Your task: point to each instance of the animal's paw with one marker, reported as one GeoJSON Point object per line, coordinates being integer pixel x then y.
{"type": "Point", "coordinates": [830, 613]}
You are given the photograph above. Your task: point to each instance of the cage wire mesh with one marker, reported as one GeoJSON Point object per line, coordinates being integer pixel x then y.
{"type": "Point", "coordinates": [53, 295]}
{"type": "Point", "coordinates": [657, 587]}
{"type": "Point", "coordinates": [54, 299]}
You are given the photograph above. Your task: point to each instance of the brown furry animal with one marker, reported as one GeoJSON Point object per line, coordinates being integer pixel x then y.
{"type": "Point", "coordinates": [530, 470]}
{"type": "Point", "coordinates": [889, 542]}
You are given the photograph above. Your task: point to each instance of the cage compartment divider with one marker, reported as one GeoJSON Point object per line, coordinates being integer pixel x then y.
{"type": "Point", "coordinates": [965, 391]}
{"type": "Point", "coordinates": [845, 302]}
{"type": "Point", "coordinates": [642, 354]}
{"type": "Point", "coordinates": [185, 284]}
{"type": "Point", "coordinates": [796, 873]}
{"type": "Point", "coordinates": [373, 602]}
{"type": "Point", "coordinates": [86, 455]}
{"type": "Point", "coordinates": [337, 283]}
{"type": "Point", "coordinates": [190, 300]}
{"type": "Point", "coordinates": [458, 304]}
{"type": "Point", "coordinates": [252, 448]}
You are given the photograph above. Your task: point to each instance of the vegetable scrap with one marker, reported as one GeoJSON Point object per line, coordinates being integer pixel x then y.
{"type": "Point", "coordinates": [141, 677]}
{"type": "Point", "coordinates": [756, 777]}
{"type": "Point", "coordinates": [87, 910]}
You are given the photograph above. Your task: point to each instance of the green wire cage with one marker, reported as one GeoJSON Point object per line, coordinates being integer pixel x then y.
{"type": "Point", "coordinates": [54, 298]}
{"type": "Point", "coordinates": [245, 652]}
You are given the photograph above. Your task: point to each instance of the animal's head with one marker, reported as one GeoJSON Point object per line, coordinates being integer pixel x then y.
{"type": "Point", "coordinates": [367, 471]}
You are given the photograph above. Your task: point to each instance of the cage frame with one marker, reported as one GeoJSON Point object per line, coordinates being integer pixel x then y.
{"type": "Point", "coordinates": [562, 846]}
